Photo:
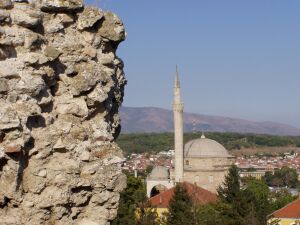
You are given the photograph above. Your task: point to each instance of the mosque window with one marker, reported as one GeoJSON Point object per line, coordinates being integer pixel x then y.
{"type": "Point", "coordinates": [211, 179]}
{"type": "Point", "coordinates": [187, 162]}
{"type": "Point", "coordinates": [197, 178]}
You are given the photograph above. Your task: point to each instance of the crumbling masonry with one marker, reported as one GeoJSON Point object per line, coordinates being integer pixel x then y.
{"type": "Point", "coordinates": [61, 85]}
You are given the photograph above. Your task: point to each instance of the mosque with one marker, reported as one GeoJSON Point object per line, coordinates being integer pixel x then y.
{"type": "Point", "coordinates": [201, 161]}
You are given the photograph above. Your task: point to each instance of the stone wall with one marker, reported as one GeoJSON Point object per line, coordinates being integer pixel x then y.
{"type": "Point", "coordinates": [61, 85]}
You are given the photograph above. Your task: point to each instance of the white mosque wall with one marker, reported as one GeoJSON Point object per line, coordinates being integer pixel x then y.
{"type": "Point", "coordinates": [209, 163]}
{"type": "Point", "coordinates": [206, 179]}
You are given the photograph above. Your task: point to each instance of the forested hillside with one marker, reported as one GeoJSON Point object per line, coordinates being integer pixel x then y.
{"type": "Point", "coordinates": [156, 142]}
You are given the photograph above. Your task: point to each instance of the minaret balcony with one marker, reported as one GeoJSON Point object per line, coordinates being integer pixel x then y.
{"type": "Point", "coordinates": [178, 107]}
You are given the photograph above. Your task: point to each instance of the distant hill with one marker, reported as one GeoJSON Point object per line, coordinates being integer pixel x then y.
{"type": "Point", "coordinates": [151, 119]}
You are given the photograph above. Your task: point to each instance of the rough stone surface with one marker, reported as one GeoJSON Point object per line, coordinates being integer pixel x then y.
{"type": "Point", "coordinates": [4, 16]}
{"type": "Point", "coordinates": [89, 17]}
{"type": "Point", "coordinates": [61, 85]}
{"type": "Point", "coordinates": [26, 16]}
{"type": "Point", "coordinates": [112, 28]}
{"type": "Point", "coordinates": [5, 4]}
{"type": "Point", "coordinates": [61, 5]}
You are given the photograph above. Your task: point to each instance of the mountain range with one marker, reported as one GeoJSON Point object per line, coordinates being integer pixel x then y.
{"type": "Point", "coordinates": [158, 120]}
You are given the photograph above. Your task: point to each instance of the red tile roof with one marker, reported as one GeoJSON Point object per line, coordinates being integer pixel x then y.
{"type": "Point", "coordinates": [291, 210]}
{"type": "Point", "coordinates": [198, 194]}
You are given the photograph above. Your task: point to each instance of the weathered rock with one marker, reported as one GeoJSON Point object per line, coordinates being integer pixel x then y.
{"type": "Point", "coordinates": [76, 107]}
{"type": "Point", "coordinates": [87, 222]}
{"type": "Point", "coordinates": [98, 94]}
{"type": "Point", "coordinates": [54, 26]}
{"type": "Point", "coordinates": [12, 148]}
{"type": "Point", "coordinates": [61, 5]}
{"type": "Point", "coordinates": [29, 84]}
{"type": "Point", "coordinates": [89, 17]}
{"type": "Point", "coordinates": [112, 28]}
{"type": "Point", "coordinates": [45, 97]}
{"type": "Point", "coordinates": [33, 41]}
{"type": "Point", "coordinates": [52, 196]}
{"type": "Point", "coordinates": [65, 18]}
{"type": "Point", "coordinates": [91, 52]}
{"type": "Point", "coordinates": [13, 36]}
{"type": "Point", "coordinates": [3, 85]}
{"type": "Point", "coordinates": [26, 110]}
{"type": "Point", "coordinates": [33, 58]}
{"type": "Point", "coordinates": [8, 117]}
{"type": "Point", "coordinates": [84, 156]}
{"type": "Point", "coordinates": [24, 15]}
{"type": "Point", "coordinates": [4, 16]}
{"type": "Point", "coordinates": [61, 85]}
{"type": "Point", "coordinates": [87, 78]}
{"type": "Point", "coordinates": [51, 52]}
{"type": "Point", "coordinates": [9, 69]}
{"type": "Point", "coordinates": [42, 173]}
{"type": "Point", "coordinates": [5, 4]}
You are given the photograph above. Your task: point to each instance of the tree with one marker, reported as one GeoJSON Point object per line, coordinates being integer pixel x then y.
{"type": "Point", "coordinates": [285, 177]}
{"type": "Point", "coordinates": [268, 177]}
{"type": "Point", "coordinates": [290, 177]}
{"type": "Point", "coordinates": [280, 199]}
{"type": "Point", "coordinates": [214, 213]}
{"type": "Point", "coordinates": [180, 208]}
{"type": "Point", "coordinates": [230, 189]}
{"type": "Point", "coordinates": [149, 169]}
{"type": "Point", "coordinates": [146, 215]}
{"type": "Point", "coordinates": [129, 199]}
{"type": "Point", "coordinates": [261, 194]}
{"type": "Point", "coordinates": [244, 202]}
{"type": "Point", "coordinates": [244, 208]}
{"type": "Point", "coordinates": [272, 220]}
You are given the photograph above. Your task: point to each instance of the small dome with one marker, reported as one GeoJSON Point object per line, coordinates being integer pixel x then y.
{"type": "Point", "coordinates": [159, 172]}
{"type": "Point", "coordinates": [205, 147]}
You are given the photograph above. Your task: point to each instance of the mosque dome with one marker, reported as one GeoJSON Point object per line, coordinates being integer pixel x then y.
{"type": "Point", "coordinates": [159, 172]}
{"type": "Point", "coordinates": [205, 147]}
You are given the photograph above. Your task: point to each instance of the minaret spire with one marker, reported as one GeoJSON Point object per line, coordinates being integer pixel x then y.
{"type": "Point", "coordinates": [178, 129]}
{"type": "Point", "coordinates": [177, 81]}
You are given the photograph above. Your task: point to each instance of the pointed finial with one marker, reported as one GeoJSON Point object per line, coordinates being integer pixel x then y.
{"type": "Point", "coordinates": [177, 81]}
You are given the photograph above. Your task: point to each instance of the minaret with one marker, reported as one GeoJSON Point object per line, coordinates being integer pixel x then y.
{"type": "Point", "coordinates": [135, 170]}
{"type": "Point", "coordinates": [178, 129]}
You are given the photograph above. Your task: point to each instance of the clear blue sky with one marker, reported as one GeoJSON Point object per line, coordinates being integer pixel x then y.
{"type": "Point", "coordinates": [237, 58]}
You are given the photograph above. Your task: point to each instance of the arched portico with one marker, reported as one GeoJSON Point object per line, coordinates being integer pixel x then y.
{"type": "Point", "coordinates": [152, 184]}
{"type": "Point", "coordinates": [157, 190]}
